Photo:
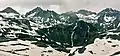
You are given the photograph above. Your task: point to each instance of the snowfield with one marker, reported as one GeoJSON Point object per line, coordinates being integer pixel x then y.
{"type": "Point", "coordinates": [25, 48]}
{"type": "Point", "coordinates": [101, 47]}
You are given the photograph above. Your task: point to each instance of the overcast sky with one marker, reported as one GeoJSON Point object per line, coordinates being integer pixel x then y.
{"type": "Point", "coordinates": [60, 5]}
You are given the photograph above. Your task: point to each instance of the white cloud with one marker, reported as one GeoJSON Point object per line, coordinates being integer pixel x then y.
{"type": "Point", "coordinates": [55, 8]}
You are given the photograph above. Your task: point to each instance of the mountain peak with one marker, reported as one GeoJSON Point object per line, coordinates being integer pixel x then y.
{"type": "Point", "coordinates": [35, 10]}
{"type": "Point", "coordinates": [108, 15]}
{"type": "Point", "coordinates": [70, 12]}
{"type": "Point", "coordinates": [109, 9]}
{"type": "Point", "coordinates": [9, 10]}
{"type": "Point", "coordinates": [86, 12]}
{"type": "Point", "coordinates": [109, 12]}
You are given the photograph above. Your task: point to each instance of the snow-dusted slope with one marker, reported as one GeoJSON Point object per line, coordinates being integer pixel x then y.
{"type": "Point", "coordinates": [84, 15]}
{"type": "Point", "coordinates": [101, 47]}
{"type": "Point", "coordinates": [87, 16]}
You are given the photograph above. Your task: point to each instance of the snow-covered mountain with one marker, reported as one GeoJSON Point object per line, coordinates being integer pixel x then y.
{"type": "Point", "coordinates": [69, 29]}
{"type": "Point", "coordinates": [39, 19]}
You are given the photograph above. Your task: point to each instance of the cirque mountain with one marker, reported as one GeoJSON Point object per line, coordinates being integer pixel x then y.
{"type": "Point", "coordinates": [103, 21]}
{"type": "Point", "coordinates": [63, 25]}
{"type": "Point", "coordinates": [60, 31]}
{"type": "Point", "coordinates": [66, 29]}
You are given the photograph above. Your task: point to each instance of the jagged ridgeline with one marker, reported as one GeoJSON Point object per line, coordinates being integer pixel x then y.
{"type": "Point", "coordinates": [46, 27]}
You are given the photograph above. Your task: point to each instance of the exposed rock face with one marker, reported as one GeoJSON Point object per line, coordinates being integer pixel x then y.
{"type": "Point", "coordinates": [76, 34]}
{"type": "Point", "coordinates": [80, 33]}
